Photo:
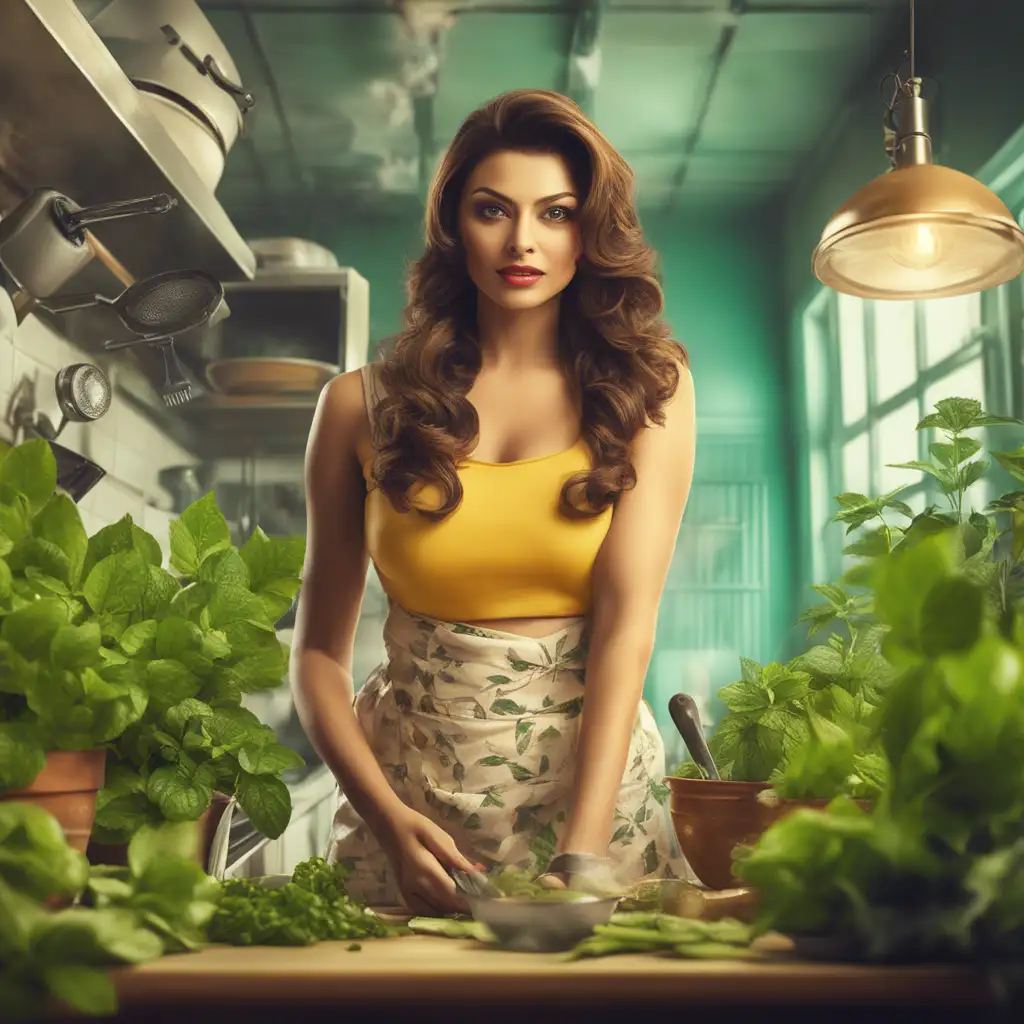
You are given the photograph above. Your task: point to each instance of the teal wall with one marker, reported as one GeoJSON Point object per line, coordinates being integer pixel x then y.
{"type": "Point", "coordinates": [972, 49]}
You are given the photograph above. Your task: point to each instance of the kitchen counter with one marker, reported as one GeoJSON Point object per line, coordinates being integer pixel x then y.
{"type": "Point", "coordinates": [427, 977]}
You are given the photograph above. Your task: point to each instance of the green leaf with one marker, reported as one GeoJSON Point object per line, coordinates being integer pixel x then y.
{"type": "Point", "coordinates": [524, 733]}
{"type": "Point", "coordinates": [744, 696]}
{"type": "Point", "coordinates": [117, 584]}
{"type": "Point", "coordinates": [945, 477]}
{"type": "Point", "coordinates": [199, 532]}
{"type": "Point", "coordinates": [166, 840]}
{"type": "Point", "coordinates": [274, 565]}
{"type": "Point", "coordinates": [123, 535]}
{"type": "Point", "coordinates": [41, 555]}
{"type": "Point", "coordinates": [30, 630]}
{"type": "Point", "coordinates": [22, 756]}
{"type": "Point", "coordinates": [179, 715]}
{"type": "Point", "coordinates": [973, 472]}
{"type": "Point", "coordinates": [89, 990]}
{"type": "Point", "coordinates": [76, 647]}
{"type": "Point", "coordinates": [139, 637]}
{"type": "Point", "coordinates": [269, 759]}
{"type": "Point", "coordinates": [951, 455]}
{"type": "Point", "coordinates": [265, 668]}
{"type": "Point", "coordinates": [267, 802]}
{"type": "Point", "coordinates": [225, 566]}
{"type": "Point", "coordinates": [15, 518]}
{"type": "Point", "coordinates": [238, 614]}
{"type": "Point", "coordinates": [951, 617]}
{"type": "Point", "coordinates": [59, 523]}
{"type": "Point", "coordinates": [170, 682]}
{"type": "Point", "coordinates": [954, 415]}
{"type": "Point", "coordinates": [31, 469]}
{"type": "Point", "coordinates": [182, 792]}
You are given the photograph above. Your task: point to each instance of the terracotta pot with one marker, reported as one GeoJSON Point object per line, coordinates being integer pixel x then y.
{"type": "Point", "coordinates": [67, 788]}
{"type": "Point", "coordinates": [116, 854]}
{"type": "Point", "coordinates": [711, 818]}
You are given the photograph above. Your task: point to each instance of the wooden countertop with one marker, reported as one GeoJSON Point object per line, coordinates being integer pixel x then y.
{"type": "Point", "coordinates": [435, 971]}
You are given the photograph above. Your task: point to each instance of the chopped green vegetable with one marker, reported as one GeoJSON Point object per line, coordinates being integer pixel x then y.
{"type": "Point", "coordinates": [450, 928]}
{"type": "Point", "coordinates": [648, 932]}
{"type": "Point", "coordinates": [312, 907]}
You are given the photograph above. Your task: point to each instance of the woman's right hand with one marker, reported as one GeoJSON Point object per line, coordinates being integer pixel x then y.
{"type": "Point", "coordinates": [420, 851]}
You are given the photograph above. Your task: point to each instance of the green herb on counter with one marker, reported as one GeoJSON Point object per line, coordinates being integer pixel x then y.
{"type": "Point", "coordinates": [158, 905]}
{"type": "Point", "coordinates": [450, 928]}
{"type": "Point", "coordinates": [312, 907]}
{"type": "Point", "coordinates": [515, 883]}
{"type": "Point", "coordinates": [663, 933]}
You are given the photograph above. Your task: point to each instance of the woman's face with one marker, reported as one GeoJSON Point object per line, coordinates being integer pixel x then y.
{"type": "Point", "coordinates": [518, 222]}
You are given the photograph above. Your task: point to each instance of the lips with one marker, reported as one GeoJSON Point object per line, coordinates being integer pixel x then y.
{"type": "Point", "coordinates": [520, 275]}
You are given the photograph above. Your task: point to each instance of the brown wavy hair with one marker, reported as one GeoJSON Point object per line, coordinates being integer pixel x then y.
{"type": "Point", "coordinates": [612, 339]}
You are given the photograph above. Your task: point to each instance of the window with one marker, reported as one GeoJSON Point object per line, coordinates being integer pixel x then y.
{"type": "Point", "coordinates": [873, 371]}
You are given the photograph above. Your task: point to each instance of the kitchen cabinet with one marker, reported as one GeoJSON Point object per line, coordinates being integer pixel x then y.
{"type": "Point", "coordinates": [430, 978]}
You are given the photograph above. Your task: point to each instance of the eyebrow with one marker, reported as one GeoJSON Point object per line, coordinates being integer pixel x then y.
{"type": "Point", "coordinates": [512, 202]}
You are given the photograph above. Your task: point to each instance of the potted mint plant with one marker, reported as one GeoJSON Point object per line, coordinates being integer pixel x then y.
{"type": "Point", "coordinates": [809, 731]}
{"type": "Point", "coordinates": [61, 701]}
{"type": "Point", "coordinates": [196, 641]}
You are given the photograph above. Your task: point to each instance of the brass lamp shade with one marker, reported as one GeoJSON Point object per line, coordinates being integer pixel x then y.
{"type": "Point", "coordinates": [921, 231]}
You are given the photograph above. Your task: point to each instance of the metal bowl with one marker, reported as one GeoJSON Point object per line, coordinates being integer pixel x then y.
{"type": "Point", "coordinates": [537, 926]}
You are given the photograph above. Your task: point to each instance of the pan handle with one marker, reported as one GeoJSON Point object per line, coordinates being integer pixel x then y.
{"type": "Point", "coordinates": [72, 221]}
{"type": "Point", "coordinates": [69, 303]}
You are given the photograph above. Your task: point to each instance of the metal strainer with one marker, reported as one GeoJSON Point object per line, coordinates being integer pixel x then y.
{"type": "Point", "coordinates": [157, 309]}
{"type": "Point", "coordinates": [160, 306]}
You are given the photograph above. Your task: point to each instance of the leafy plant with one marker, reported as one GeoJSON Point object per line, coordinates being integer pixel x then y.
{"type": "Point", "coordinates": [836, 747]}
{"type": "Point", "coordinates": [936, 868]}
{"type": "Point", "coordinates": [57, 690]}
{"type": "Point", "coordinates": [196, 643]}
{"type": "Point", "coordinates": [159, 904]}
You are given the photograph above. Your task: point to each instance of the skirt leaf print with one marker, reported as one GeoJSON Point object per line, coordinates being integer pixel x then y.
{"type": "Point", "coordinates": [477, 730]}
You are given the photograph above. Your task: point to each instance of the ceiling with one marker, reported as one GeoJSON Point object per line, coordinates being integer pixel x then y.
{"type": "Point", "coordinates": [713, 103]}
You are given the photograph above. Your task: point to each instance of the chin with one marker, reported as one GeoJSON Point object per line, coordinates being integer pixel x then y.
{"type": "Point", "coordinates": [524, 298]}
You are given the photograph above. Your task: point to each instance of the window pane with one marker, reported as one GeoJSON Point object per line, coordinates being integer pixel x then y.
{"type": "Point", "coordinates": [853, 367]}
{"type": "Point", "coordinates": [948, 323]}
{"type": "Point", "coordinates": [821, 510]}
{"type": "Point", "coordinates": [814, 374]}
{"type": "Point", "coordinates": [897, 442]}
{"type": "Point", "coordinates": [895, 352]}
{"type": "Point", "coordinates": [966, 382]}
{"type": "Point", "coordinates": [855, 465]}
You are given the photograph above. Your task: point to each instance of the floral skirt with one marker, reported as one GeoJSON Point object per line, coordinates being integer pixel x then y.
{"type": "Point", "coordinates": [477, 729]}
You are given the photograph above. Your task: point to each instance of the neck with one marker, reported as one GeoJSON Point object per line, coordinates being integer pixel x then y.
{"type": "Point", "coordinates": [517, 339]}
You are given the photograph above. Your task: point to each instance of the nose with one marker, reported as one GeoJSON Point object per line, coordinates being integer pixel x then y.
{"type": "Point", "coordinates": [521, 241]}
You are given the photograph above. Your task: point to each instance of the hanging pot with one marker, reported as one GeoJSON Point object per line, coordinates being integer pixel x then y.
{"type": "Point", "coordinates": [176, 60]}
{"type": "Point", "coordinates": [43, 242]}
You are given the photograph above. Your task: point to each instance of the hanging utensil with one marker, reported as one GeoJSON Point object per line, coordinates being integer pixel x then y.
{"type": "Point", "coordinates": [156, 307]}
{"type": "Point", "coordinates": [43, 242]}
{"type": "Point", "coordinates": [83, 395]}
{"type": "Point", "coordinates": [683, 709]}
{"type": "Point", "coordinates": [177, 389]}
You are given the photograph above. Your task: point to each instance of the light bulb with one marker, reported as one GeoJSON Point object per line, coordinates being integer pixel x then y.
{"type": "Point", "coordinates": [917, 248]}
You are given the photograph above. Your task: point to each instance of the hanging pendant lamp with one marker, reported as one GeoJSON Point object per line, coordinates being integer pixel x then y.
{"type": "Point", "coordinates": [920, 231]}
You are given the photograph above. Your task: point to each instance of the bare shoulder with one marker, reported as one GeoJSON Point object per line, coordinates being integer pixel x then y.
{"type": "Point", "coordinates": [340, 422]}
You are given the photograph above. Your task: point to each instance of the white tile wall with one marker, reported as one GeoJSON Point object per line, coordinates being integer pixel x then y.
{"type": "Point", "coordinates": [127, 445]}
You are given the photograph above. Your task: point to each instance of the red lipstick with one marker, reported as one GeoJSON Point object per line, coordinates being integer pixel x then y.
{"type": "Point", "coordinates": [519, 275]}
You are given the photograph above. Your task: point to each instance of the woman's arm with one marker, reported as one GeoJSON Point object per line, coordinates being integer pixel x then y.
{"type": "Point", "coordinates": [628, 580]}
{"type": "Point", "coordinates": [332, 589]}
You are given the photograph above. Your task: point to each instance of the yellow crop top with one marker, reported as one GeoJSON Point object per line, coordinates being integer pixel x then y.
{"type": "Point", "coordinates": [506, 552]}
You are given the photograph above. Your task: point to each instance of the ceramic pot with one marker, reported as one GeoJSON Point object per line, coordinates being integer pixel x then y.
{"type": "Point", "coordinates": [67, 789]}
{"type": "Point", "coordinates": [711, 818]}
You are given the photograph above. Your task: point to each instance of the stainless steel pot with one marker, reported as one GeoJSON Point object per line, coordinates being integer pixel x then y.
{"type": "Point", "coordinates": [43, 242]}
{"type": "Point", "coordinates": [274, 255]}
{"type": "Point", "coordinates": [173, 56]}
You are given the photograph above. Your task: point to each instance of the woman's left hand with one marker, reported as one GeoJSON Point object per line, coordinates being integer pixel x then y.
{"type": "Point", "coordinates": [557, 880]}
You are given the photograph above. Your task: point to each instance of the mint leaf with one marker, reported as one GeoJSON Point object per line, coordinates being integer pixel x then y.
{"type": "Point", "coordinates": [232, 727]}
{"type": "Point", "coordinates": [199, 532]}
{"type": "Point", "coordinates": [271, 759]}
{"type": "Point", "coordinates": [138, 637]}
{"type": "Point", "coordinates": [15, 518]}
{"type": "Point", "coordinates": [181, 714]}
{"type": "Point", "coordinates": [274, 565]}
{"type": "Point", "coordinates": [30, 630]}
{"type": "Point", "coordinates": [225, 567]}
{"type": "Point", "coordinates": [43, 555]}
{"type": "Point", "coordinates": [264, 669]}
{"type": "Point", "coordinates": [267, 802]}
{"type": "Point", "coordinates": [117, 584]}
{"type": "Point", "coordinates": [159, 589]}
{"type": "Point", "coordinates": [76, 647]}
{"type": "Point", "coordinates": [170, 682]}
{"type": "Point", "coordinates": [31, 469]}
{"type": "Point", "coordinates": [156, 842]}
{"type": "Point", "coordinates": [60, 523]}
{"type": "Point", "coordinates": [22, 756]}
{"type": "Point", "coordinates": [182, 792]}
{"type": "Point", "coordinates": [238, 614]}
{"type": "Point", "coordinates": [88, 990]}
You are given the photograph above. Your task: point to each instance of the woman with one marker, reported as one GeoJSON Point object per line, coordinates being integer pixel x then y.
{"type": "Point", "coordinates": [517, 469]}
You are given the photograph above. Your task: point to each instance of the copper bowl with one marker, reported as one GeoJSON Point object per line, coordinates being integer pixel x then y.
{"type": "Point", "coordinates": [712, 818]}
{"type": "Point", "coordinates": [279, 375]}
